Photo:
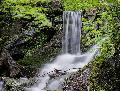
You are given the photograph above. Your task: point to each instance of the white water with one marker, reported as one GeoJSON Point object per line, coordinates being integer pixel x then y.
{"type": "Point", "coordinates": [65, 62]}
{"type": "Point", "coordinates": [71, 59]}
{"type": "Point", "coordinates": [1, 86]}
{"type": "Point", "coordinates": [71, 29]}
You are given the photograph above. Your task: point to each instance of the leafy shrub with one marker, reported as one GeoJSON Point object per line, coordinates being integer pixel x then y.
{"type": "Point", "coordinates": [100, 26]}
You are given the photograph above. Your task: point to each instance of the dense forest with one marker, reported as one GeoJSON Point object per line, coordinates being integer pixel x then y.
{"type": "Point", "coordinates": [31, 34]}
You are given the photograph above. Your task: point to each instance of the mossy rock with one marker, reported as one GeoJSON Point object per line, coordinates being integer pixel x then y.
{"type": "Point", "coordinates": [11, 84]}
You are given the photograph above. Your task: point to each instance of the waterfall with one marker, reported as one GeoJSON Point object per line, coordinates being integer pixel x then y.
{"type": "Point", "coordinates": [1, 86]}
{"type": "Point", "coordinates": [52, 74]}
{"type": "Point", "coordinates": [71, 30]}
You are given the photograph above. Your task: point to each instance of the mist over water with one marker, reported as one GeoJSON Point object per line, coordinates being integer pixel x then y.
{"type": "Point", "coordinates": [71, 60]}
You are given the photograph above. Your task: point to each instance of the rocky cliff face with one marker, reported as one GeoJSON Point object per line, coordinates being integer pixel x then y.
{"type": "Point", "coordinates": [22, 43]}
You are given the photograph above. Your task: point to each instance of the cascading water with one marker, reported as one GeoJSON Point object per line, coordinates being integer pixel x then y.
{"type": "Point", "coordinates": [1, 86]}
{"type": "Point", "coordinates": [72, 29]}
{"type": "Point", "coordinates": [70, 60]}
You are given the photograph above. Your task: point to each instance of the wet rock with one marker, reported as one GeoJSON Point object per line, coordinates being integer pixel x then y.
{"type": "Point", "coordinates": [8, 66]}
{"type": "Point", "coordinates": [77, 81]}
{"type": "Point", "coordinates": [11, 84]}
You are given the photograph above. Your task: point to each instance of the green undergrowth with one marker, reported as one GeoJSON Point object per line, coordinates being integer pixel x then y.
{"type": "Point", "coordinates": [100, 26]}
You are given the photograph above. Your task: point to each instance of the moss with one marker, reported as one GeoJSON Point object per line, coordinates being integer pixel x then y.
{"type": "Point", "coordinates": [43, 54]}
{"type": "Point", "coordinates": [21, 84]}
{"type": "Point", "coordinates": [100, 26]}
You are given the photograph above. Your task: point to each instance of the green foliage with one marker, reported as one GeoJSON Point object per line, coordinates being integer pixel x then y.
{"type": "Point", "coordinates": [102, 90]}
{"type": "Point", "coordinates": [100, 26]}
{"type": "Point", "coordinates": [23, 15]}
{"type": "Point", "coordinates": [20, 17]}
{"type": "Point", "coordinates": [12, 84]}
{"type": "Point", "coordinates": [79, 4]}
{"type": "Point", "coordinates": [26, 9]}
